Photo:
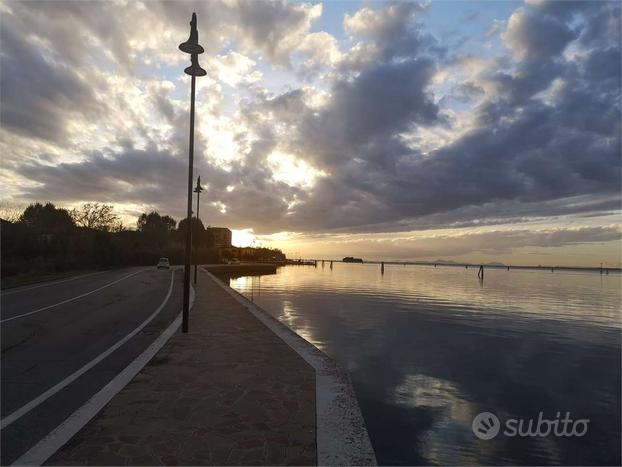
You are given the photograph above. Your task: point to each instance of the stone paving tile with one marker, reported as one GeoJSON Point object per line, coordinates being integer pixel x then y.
{"type": "Point", "coordinates": [230, 392]}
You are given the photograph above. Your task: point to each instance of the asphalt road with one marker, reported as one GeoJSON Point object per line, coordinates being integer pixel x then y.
{"type": "Point", "coordinates": [54, 335]}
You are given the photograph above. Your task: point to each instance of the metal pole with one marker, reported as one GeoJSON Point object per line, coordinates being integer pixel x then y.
{"type": "Point", "coordinates": [186, 310]}
{"type": "Point", "coordinates": [196, 259]}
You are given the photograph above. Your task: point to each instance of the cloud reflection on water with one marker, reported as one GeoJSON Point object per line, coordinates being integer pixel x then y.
{"type": "Point", "coordinates": [428, 349]}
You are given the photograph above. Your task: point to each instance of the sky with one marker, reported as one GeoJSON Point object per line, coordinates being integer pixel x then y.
{"type": "Point", "coordinates": [464, 131]}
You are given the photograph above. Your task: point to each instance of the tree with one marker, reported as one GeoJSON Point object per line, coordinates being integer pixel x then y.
{"type": "Point", "coordinates": [10, 212]}
{"type": "Point", "coordinates": [155, 222]}
{"type": "Point", "coordinates": [198, 230]}
{"type": "Point", "coordinates": [156, 229]}
{"type": "Point", "coordinates": [47, 218]}
{"type": "Point", "coordinates": [97, 216]}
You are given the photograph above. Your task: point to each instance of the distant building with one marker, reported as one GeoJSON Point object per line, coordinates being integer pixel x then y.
{"type": "Point", "coordinates": [350, 259]}
{"type": "Point", "coordinates": [221, 236]}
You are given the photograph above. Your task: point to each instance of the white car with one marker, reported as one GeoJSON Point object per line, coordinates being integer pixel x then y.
{"type": "Point", "coordinates": [163, 263]}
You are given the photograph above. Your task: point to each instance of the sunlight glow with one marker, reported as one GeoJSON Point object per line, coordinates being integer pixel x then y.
{"type": "Point", "coordinates": [242, 238]}
{"type": "Point", "coordinates": [295, 172]}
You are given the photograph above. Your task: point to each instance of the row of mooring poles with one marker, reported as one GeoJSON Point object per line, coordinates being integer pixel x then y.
{"type": "Point", "coordinates": [323, 261]}
{"type": "Point", "coordinates": [480, 272]}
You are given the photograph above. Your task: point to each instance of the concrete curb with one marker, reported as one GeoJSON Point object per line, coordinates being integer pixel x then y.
{"type": "Point", "coordinates": [342, 437]}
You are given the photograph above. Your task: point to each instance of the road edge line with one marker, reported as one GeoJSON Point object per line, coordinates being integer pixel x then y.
{"type": "Point", "coordinates": [41, 398]}
{"type": "Point", "coordinates": [54, 440]}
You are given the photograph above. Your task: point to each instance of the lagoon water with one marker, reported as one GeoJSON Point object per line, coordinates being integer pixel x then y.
{"type": "Point", "coordinates": [430, 348]}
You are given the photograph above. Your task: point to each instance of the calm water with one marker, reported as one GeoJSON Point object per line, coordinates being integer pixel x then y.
{"type": "Point", "coordinates": [429, 348]}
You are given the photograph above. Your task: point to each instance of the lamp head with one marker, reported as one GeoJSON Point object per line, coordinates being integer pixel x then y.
{"type": "Point", "coordinates": [191, 46]}
{"type": "Point", "coordinates": [198, 188]}
{"type": "Point", "coordinates": [195, 69]}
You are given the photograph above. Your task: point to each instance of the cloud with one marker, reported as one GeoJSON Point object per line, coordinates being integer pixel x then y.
{"type": "Point", "coordinates": [391, 30]}
{"type": "Point", "coordinates": [40, 97]}
{"type": "Point", "coordinates": [494, 242]}
{"type": "Point", "coordinates": [321, 51]}
{"type": "Point", "coordinates": [235, 69]}
{"type": "Point", "coordinates": [519, 149]}
{"type": "Point", "coordinates": [381, 102]}
{"type": "Point", "coordinates": [382, 129]}
{"type": "Point", "coordinates": [532, 35]}
{"type": "Point", "coordinates": [275, 28]}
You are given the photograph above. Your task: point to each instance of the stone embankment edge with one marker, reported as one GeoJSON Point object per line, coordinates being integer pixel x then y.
{"type": "Point", "coordinates": [58, 437]}
{"type": "Point", "coordinates": [342, 437]}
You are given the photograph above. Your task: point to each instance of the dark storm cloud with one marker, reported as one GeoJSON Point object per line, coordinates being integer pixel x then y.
{"type": "Point", "coordinates": [365, 113]}
{"type": "Point", "coordinates": [50, 50]}
{"type": "Point", "coordinates": [85, 32]}
{"type": "Point", "coordinates": [38, 96]}
{"type": "Point", "coordinates": [268, 24]}
{"type": "Point", "coordinates": [144, 176]}
{"type": "Point", "coordinates": [152, 177]}
{"type": "Point", "coordinates": [496, 213]}
{"type": "Point", "coordinates": [489, 242]}
{"type": "Point", "coordinates": [547, 135]}
{"type": "Point", "coordinates": [523, 150]}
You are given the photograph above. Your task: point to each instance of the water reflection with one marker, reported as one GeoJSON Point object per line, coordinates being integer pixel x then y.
{"type": "Point", "coordinates": [429, 348]}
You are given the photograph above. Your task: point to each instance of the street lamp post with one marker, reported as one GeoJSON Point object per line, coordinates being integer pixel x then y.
{"type": "Point", "coordinates": [198, 189]}
{"type": "Point", "coordinates": [192, 47]}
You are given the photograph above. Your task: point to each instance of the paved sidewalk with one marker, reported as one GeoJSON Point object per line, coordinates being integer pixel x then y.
{"type": "Point", "coordinates": [230, 392]}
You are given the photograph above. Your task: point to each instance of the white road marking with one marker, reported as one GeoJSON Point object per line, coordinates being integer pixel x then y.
{"type": "Point", "coordinates": [54, 440]}
{"type": "Point", "coordinates": [46, 284]}
{"type": "Point", "coordinates": [70, 299]}
{"type": "Point", "coordinates": [72, 377]}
